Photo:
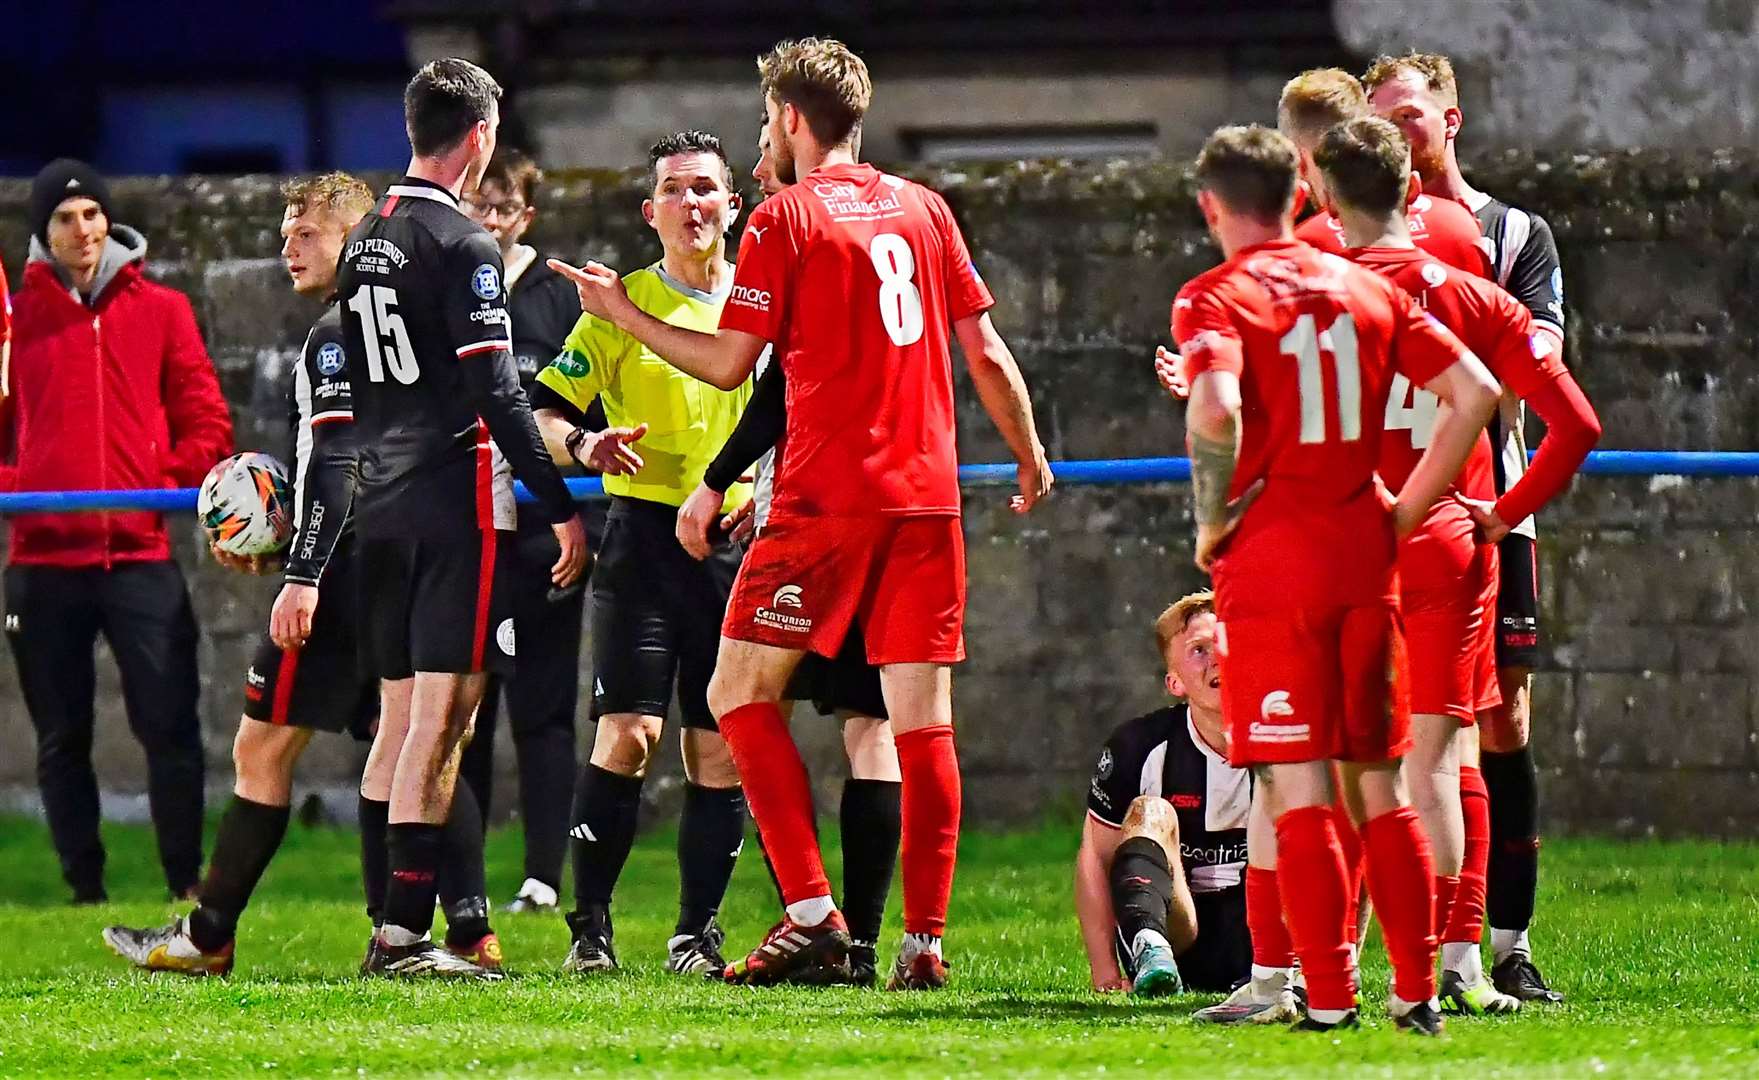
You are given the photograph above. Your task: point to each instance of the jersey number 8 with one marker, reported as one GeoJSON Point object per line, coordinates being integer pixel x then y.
{"type": "Point", "coordinates": [387, 340]}
{"type": "Point", "coordinates": [900, 303]}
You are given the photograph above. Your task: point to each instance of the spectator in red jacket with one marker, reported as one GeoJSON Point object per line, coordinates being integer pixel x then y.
{"type": "Point", "coordinates": [111, 387]}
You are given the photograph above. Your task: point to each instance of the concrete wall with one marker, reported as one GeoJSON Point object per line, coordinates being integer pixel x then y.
{"type": "Point", "coordinates": [1646, 718]}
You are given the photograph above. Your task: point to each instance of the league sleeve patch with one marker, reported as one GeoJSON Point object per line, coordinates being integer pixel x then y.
{"type": "Point", "coordinates": [485, 282]}
{"type": "Point", "coordinates": [331, 361]}
{"type": "Point", "coordinates": [573, 363]}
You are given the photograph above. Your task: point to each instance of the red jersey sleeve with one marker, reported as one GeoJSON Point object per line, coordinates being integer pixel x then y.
{"type": "Point", "coordinates": [1524, 360]}
{"type": "Point", "coordinates": [1422, 347]}
{"type": "Point", "coordinates": [1207, 336]}
{"type": "Point", "coordinates": [764, 275]}
{"type": "Point", "coordinates": [967, 295]}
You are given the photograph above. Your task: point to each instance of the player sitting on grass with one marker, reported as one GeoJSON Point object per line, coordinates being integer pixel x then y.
{"type": "Point", "coordinates": [1159, 878]}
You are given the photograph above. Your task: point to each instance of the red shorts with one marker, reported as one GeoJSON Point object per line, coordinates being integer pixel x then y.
{"type": "Point", "coordinates": [1443, 585]}
{"type": "Point", "coordinates": [1484, 658]}
{"type": "Point", "coordinates": [1311, 685]}
{"type": "Point", "coordinates": [807, 580]}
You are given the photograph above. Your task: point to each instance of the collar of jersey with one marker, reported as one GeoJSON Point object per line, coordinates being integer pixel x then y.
{"type": "Point", "coordinates": [1383, 254]}
{"type": "Point", "coordinates": [414, 187]}
{"type": "Point", "coordinates": [1197, 739]}
{"type": "Point", "coordinates": [670, 282]}
{"type": "Point", "coordinates": [1268, 245]}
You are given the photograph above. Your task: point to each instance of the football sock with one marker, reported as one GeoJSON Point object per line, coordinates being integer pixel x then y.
{"type": "Point", "coordinates": [1350, 843]}
{"type": "Point", "coordinates": [1465, 921]}
{"type": "Point", "coordinates": [812, 910]}
{"type": "Point", "coordinates": [415, 850]}
{"type": "Point", "coordinates": [463, 891]}
{"type": "Point", "coordinates": [870, 822]}
{"type": "Point", "coordinates": [248, 836]}
{"type": "Point", "coordinates": [1463, 959]}
{"type": "Point", "coordinates": [375, 867]}
{"type": "Point", "coordinates": [1504, 942]}
{"type": "Point", "coordinates": [769, 867]}
{"type": "Point", "coordinates": [546, 794]}
{"type": "Point", "coordinates": [1401, 882]}
{"type": "Point", "coordinates": [1142, 888]}
{"type": "Point", "coordinates": [711, 833]}
{"type": "Point", "coordinates": [607, 807]}
{"type": "Point", "coordinates": [915, 944]}
{"type": "Point", "coordinates": [1313, 882]}
{"type": "Point", "coordinates": [1446, 888]}
{"type": "Point", "coordinates": [929, 816]}
{"type": "Point", "coordinates": [779, 793]}
{"type": "Point", "coordinates": [1513, 879]}
{"type": "Point", "coordinates": [1271, 947]}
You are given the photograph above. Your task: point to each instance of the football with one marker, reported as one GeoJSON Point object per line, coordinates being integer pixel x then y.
{"type": "Point", "coordinates": [246, 506]}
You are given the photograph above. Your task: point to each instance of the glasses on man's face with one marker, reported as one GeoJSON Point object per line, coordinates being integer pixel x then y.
{"type": "Point", "coordinates": [483, 210]}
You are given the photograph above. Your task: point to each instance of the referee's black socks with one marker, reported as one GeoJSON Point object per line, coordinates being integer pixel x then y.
{"type": "Point", "coordinates": [375, 865]}
{"type": "Point", "coordinates": [711, 833]}
{"type": "Point", "coordinates": [1512, 780]}
{"type": "Point", "coordinates": [1142, 888]}
{"type": "Point", "coordinates": [463, 891]}
{"type": "Point", "coordinates": [606, 809]}
{"type": "Point", "coordinates": [871, 823]}
{"type": "Point", "coordinates": [250, 832]}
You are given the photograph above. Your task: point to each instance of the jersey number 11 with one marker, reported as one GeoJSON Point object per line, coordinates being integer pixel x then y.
{"type": "Point", "coordinates": [1305, 343]}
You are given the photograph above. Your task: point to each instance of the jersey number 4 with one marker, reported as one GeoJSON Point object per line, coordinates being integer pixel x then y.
{"type": "Point", "coordinates": [387, 339]}
{"type": "Point", "coordinates": [1411, 408]}
{"type": "Point", "coordinates": [900, 302]}
{"type": "Point", "coordinates": [1305, 343]}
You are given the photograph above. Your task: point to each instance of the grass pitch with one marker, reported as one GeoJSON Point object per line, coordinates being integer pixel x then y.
{"type": "Point", "coordinates": [1656, 944]}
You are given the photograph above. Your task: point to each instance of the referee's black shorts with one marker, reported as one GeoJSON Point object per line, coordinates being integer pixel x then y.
{"type": "Point", "coordinates": [847, 683]}
{"type": "Point", "coordinates": [656, 615]}
{"type": "Point", "coordinates": [1517, 603]}
{"type": "Point", "coordinates": [323, 685]}
{"type": "Point", "coordinates": [1221, 957]}
{"type": "Point", "coordinates": [438, 605]}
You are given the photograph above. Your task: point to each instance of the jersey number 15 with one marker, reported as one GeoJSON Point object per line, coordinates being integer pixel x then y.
{"type": "Point", "coordinates": [387, 340]}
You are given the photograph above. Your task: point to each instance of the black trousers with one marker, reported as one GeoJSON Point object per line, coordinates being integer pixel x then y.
{"type": "Point", "coordinates": [540, 698]}
{"type": "Point", "coordinates": [53, 618]}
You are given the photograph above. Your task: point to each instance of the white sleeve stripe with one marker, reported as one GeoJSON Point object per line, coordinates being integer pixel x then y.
{"type": "Point", "coordinates": [1103, 821]}
{"type": "Point", "coordinates": [333, 414]}
{"type": "Point", "coordinates": [485, 345]}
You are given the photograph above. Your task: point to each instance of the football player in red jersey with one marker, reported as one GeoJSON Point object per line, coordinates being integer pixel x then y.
{"type": "Point", "coordinates": [1418, 92]}
{"type": "Point", "coordinates": [1447, 578]}
{"type": "Point", "coordinates": [1292, 354]}
{"type": "Point", "coordinates": [854, 276]}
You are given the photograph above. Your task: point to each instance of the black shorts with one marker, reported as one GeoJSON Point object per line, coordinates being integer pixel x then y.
{"type": "Point", "coordinates": [323, 685]}
{"type": "Point", "coordinates": [437, 605]}
{"type": "Point", "coordinates": [1517, 603]}
{"type": "Point", "coordinates": [848, 683]}
{"type": "Point", "coordinates": [1221, 957]}
{"type": "Point", "coordinates": [656, 615]}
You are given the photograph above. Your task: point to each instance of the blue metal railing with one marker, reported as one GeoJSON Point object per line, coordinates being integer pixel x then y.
{"type": "Point", "coordinates": [1154, 470]}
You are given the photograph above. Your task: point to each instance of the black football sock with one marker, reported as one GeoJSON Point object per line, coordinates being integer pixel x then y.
{"type": "Point", "coordinates": [770, 868]}
{"type": "Point", "coordinates": [711, 833]}
{"type": "Point", "coordinates": [463, 891]}
{"type": "Point", "coordinates": [871, 824]}
{"type": "Point", "coordinates": [1142, 888]}
{"type": "Point", "coordinates": [375, 864]}
{"type": "Point", "coordinates": [546, 793]}
{"type": "Point", "coordinates": [1513, 879]}
{"type": "Point", "coordinates": [606, 809]}
{"type": "Point", "coordinates": [250, 832]}
{"type": "Point", "coordinates": [415, 850]}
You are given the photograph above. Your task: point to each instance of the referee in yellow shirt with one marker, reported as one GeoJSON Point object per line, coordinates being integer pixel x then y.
{"type": "Point", "coordinates": [656, 611]}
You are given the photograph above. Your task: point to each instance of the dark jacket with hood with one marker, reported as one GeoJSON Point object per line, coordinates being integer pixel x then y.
{"type": "Point", "coordinates": [109, 390]}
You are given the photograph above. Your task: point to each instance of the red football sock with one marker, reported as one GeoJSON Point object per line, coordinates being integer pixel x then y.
{"type": "Point", "coordinates": [1446, 887]}
{"type": "Point", "coordinates": [1271, 946]}
{"type": "Point", "coordinates": [779, 794]}
{"type": "Point", "coordinates": [1401, 882]}
{"type": "Point", "coordinates": [930, 812]}
{"type": "Point", "coordinates": [1350, 843]}
{"type": "Point", "coordinates": [1465, 920]}
{"type": "Point", "coordinates": [1315, 903]}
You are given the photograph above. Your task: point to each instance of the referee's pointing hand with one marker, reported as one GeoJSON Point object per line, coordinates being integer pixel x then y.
{"type": "Point", "coordinates": [600, 287]}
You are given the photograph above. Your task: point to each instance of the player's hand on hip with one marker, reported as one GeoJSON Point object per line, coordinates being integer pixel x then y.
{"type": "Point", "coordinates": [695, 518]}
{"type": "Point", "coordinates": [571, 536]}
{"type": "Point", "coordinates": [290, 620]}
{"type": "Point", "coordinates": [1491, 526]}
{"type": "Point", "coordinates": [600, 288]}
{"type": "Point", "coordinates": [1035, 479]}
{"type": "Point", "coordinates": [1170, 371]}
{"type": "Point", "coordinates": [1210, 538]}
{"type": "Point", "coordinates": [742, 522]}
{"type": "Point", "coordinates": [611, 451]}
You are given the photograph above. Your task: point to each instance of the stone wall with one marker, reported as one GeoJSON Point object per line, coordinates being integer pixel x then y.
{"type": "Point", "coordinates": [1645, 716]}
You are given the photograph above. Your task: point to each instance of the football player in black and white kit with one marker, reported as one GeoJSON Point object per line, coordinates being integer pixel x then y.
{"type": "Point", "coordinates": [437, 405]}
{"type": "Point", "coordinates": [847, 687]}
{"type": "Point", "coordinates": [1418, 92]}
{"type": "Point", "coordinates": [541, 696]}
{"type": "Point", "coordinates": [1160, 875]}
{"type": "Point", "coordinates": [306, 676]}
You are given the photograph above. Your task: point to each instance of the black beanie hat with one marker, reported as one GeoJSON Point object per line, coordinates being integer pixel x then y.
{"type": "Point", "coordinates": [60, 180]}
